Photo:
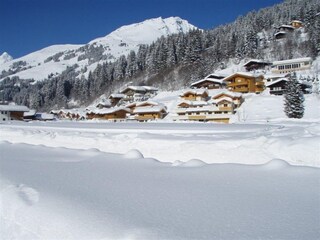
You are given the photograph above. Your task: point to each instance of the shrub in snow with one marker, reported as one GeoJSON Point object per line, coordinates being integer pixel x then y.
{"type": "Point", "coordinates": [293, 98]}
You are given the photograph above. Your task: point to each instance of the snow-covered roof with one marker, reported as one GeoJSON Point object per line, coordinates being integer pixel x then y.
{"type": "Point", "coordinates": [207, 79]}
{"type": "Point", "coordinates": [14, 108]}
{"type": "Point", "coordinates": [31, 113]}
{"type": "Point", "coordinates": [286, 26]}
{"type": "Point", "coordinates": [193, 103]}
{"type": "Point", "coordinates": [256, 61]}
{"type": "Point", "coordinates": [195, 92]}
{"type": "Point", "coordinates": [149, 88]}
{"type": "Point", "coordinates": [117, 95]}
{"type": "Point", "coordinates": [153, 109]}
{"type": "Point", "coordinates": [280, 32]}
{"type": "Point", "coordinates": [226, 92]}
{"type": "Point", "coordinates": [139, 88]}
{"type": "Point", "coordinates": [228, 99]}
{"type": "Point", "coordinates": [276, 81]}
{"type": "Point", "coordinates": [296, 21]}
{"type": "Point", "coordinates": [153, 103]}
{"type": "Point", "coordinates": [106, 103]}
{"type": "Point", "coordinates": [109, 110]}
{"type": "Point", "coordinates": [296, 60]}
{"type": "Point", "coordinates": [244, 74]}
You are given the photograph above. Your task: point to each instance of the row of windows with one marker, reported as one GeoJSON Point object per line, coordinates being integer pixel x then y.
{"type": "Point", "coordinates": [204, 113]}
{"type": "Point", "coordinates": [4, 112]}
{"type": "Point", "coordinates": [289, 66]}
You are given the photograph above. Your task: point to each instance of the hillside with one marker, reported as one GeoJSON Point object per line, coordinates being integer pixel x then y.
{"type": "Point", "coordinates": [172, 62]}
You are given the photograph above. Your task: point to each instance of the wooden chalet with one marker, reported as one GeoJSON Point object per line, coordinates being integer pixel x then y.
{"type": "Point", "coordinates": [148, 113]}
{"type": "Point", "coordinates": [256, 64]}
{"type": "Point", "coordinates": [12, 112]}
{"type": "Point", "coordinates": [236, 98]}
{"type": "Point", "coordinates": [138, 93]}
{"type": "Point", "coordinates": [68, 114]}
{"type": "Point", "coordinates": [244, 83]}
{"type": "Point", "coordinates": [296, 24]}
{"type": "Point", "coordinates": [115, 98]}
{"type": "Point", "coordinates": [104, 104]}
{"type": "Point", "coordinates": [219, 108]}
{"type": "Point", "coordinates": [112, 114]}
{"type": "Point", "coordinates": [278, 86]}
{"type": "Point", "coordinates": [195, 95]}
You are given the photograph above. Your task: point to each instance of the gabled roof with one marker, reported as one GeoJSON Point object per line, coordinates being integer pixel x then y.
{"type": "Point", "coordinates": [256, 61]}
{"type": "Point", "coordinates": [280, 32]}
{"type": "Point", "coordinates": [104, 103]}
{"type": "Point", "coordinates": [286, 26]}
{"type": "Point", "coordinates": [296, 21]}
{"type": "Point", "coordinates": [139, 88]}
{"type": "Point", "coordinates": [150, 103]}
{"type": "Point", "coordinates": [193, 103]}
{"type": "Point", "coordinates": [197, 92]}
{"type": "Point", "coordinates": [207, 80]}
{"type": "Point", "coordinates": [117, 95]}
{"type": "Point", "coordinates": [276, 81]}
{"type": "Point", "coordinates": [14, 108]}
{"type": "Point", "coordinates": [226, 93]}
{"type": "Point", "coordinates": [243, 74]}
{"type": "Point", "coordinates": [154, 109]}
{"type": "Point", "coordinates": [228, 99]}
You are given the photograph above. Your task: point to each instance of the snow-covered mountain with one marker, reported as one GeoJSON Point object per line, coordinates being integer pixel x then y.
{"type": "Point", "coordinates": [5, 57]}
{"type": "Point", "coordinates": [51, 61]}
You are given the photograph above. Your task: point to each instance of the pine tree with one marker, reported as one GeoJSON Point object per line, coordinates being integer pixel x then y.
{"type": "Point", "coordinates": [293, 98]}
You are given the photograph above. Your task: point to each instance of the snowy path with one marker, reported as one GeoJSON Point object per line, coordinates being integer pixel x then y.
{"type": "Point", "coordinates": [296, 142]}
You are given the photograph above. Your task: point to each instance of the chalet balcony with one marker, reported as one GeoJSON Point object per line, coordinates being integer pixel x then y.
{"type": "Point", "coordinates": [234, 84]}
{"type": "Point", "coordinates": [226, 109]}
{"type": "Point", "coordinates": [197, 117]}
{"type": "Point", "coordinates": [145, 118]}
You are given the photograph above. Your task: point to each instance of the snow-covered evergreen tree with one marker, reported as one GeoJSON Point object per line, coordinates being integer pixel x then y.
{"type": "Point", "coordinates": [293, 98]}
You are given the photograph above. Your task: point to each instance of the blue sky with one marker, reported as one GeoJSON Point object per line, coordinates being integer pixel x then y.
{"type": "Point", "coordinates": [29, 25]}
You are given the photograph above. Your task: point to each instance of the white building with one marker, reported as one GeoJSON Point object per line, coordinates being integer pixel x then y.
{"type": "Point", "coordinates": [12, 112]}
{"type": "Point", "coordinates": [291, 65]}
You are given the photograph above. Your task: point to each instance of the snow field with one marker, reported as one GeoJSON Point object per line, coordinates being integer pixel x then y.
{"type": "Point", "coordinates": [295, 142]}
{"type": "Point", "coordinates": [61, 193]}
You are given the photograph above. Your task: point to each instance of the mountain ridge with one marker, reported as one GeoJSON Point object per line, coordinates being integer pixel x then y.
{"type": "Point", "coordinates": [53, 59]}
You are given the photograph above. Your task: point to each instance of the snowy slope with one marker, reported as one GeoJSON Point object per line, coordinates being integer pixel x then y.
{"type": "Point", "coordinates": [55, 59]}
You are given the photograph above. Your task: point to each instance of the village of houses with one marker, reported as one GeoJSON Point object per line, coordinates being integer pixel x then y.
{"type": "Point", "coordinates": [212, 99]}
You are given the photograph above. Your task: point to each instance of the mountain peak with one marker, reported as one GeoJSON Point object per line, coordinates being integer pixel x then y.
{"type": "Point", "coordinates": [5, 57]}
{"type": "Point", "coordinates": [148, 31]}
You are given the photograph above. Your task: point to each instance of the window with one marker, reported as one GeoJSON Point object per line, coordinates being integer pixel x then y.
{"type": "Point", "coordinates": [225, 105]}
{"type": "Point", "coordinates": [3, 119]}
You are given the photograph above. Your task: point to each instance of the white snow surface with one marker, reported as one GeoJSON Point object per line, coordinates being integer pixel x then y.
{"type": "Point", "coordinates": [62, 193]}
{"type": "Point", "coordinates": [257, 178]}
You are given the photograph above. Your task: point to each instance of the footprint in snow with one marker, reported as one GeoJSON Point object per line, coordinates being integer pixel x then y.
{"type": "Point", "coordinates": [29, 195]}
